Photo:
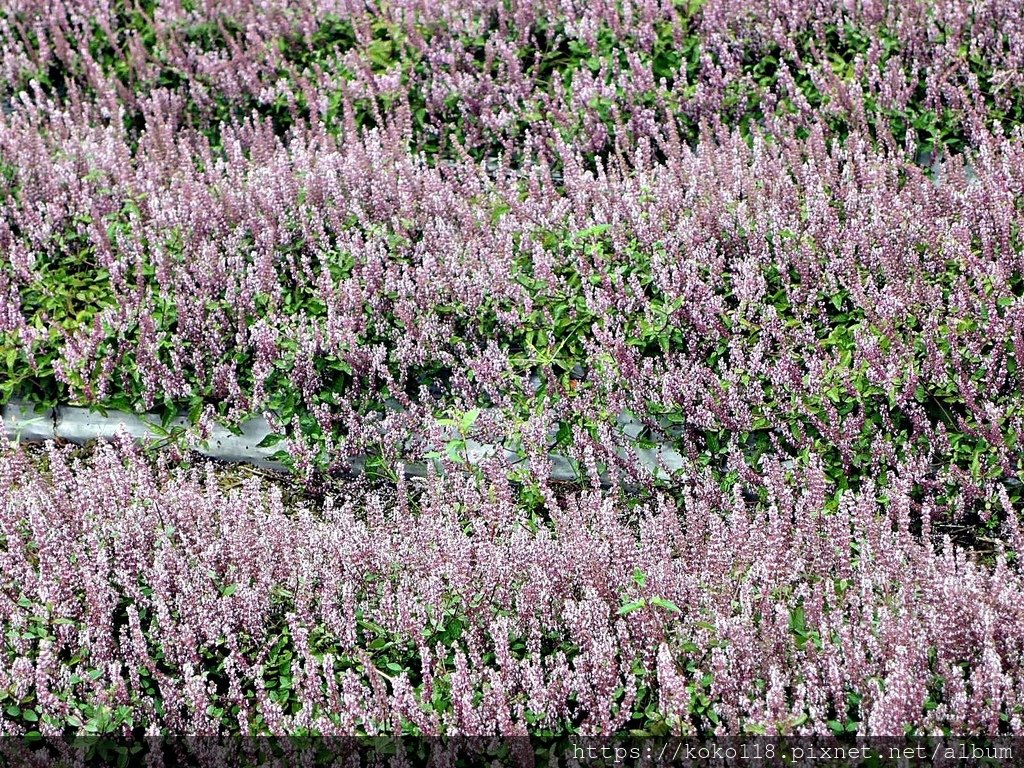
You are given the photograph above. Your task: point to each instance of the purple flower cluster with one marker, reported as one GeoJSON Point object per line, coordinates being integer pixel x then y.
{"type": "Point", "coordinates": [491, 66]}
{"type": "Point", "coordinates": [154, 590]}
{"type": "Point", "coordinates": [741, 288]}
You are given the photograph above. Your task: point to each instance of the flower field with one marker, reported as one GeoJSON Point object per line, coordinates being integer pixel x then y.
{"type": "Point", "coordinates": [752, 271]}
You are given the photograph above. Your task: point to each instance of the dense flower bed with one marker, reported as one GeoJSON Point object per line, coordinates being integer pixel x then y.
{"type": "Point", "coordinates": [784, 238]}
{"type": "Point", "coordinates": [152, 598]}
{"type": "Point", "coordinates": [824, 296]}
{"type": "Point", "coordinates": [796, 280]}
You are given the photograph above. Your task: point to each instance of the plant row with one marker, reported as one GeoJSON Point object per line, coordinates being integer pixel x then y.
{"type": "Point", "coordinates": [140, 599]}
{"type": "Point", "coordinates": [768, 297]}
{"type": "Point", "coordinates": [491, 77]}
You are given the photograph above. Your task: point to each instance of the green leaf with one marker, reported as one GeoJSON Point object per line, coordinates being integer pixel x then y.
{"type": "Point", "coordinates": [453, 448]}
{"type": "Point", "coordinates": [469, 418]}
{"type": "Point", "coordinates": [372, 626]}
{"type": "Point", "coordinates": [595, 231]}
{"type": "Point", "coordinates": [668, 605]}
{"type": "Point", "coordinates": [270, 441]}
{"type": "Point", "coordinates": [628, 608]}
